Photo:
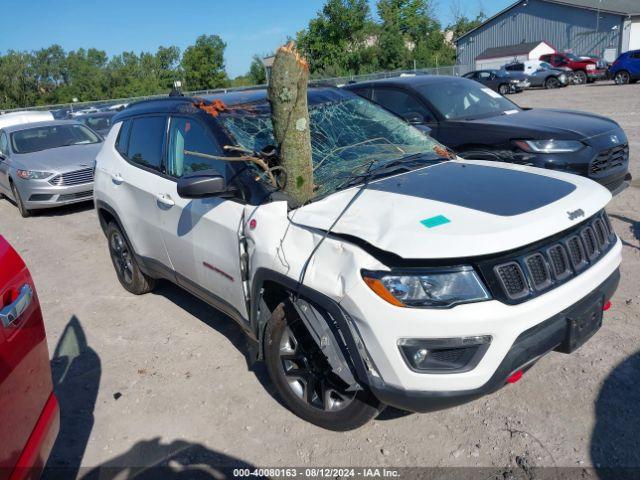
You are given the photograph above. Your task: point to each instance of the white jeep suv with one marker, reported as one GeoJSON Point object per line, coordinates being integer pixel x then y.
{"type": "Point", "coordinates": [411, 279]}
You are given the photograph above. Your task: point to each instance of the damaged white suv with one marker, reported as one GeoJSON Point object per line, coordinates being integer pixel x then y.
{"type": "Point", "coordinates": [412, 279]}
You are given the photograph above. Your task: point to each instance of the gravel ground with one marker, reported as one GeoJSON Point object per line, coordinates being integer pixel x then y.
{"type": "Point", "coordinates": [164, 375]}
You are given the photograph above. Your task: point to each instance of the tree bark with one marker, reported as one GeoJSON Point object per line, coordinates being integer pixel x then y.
{"type": "Point", "coordinates": [290, 117]}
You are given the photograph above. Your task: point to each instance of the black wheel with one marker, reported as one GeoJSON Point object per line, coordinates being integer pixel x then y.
{"type": "Point", "coordinates": [124, 261]}
{"type": "Point", "coordinates": [580, 77]}
{"type": "Point", "coordinates": [304, 379]}
{"type": "Point", "coordinates": [21, 208]}
{"type": "Point", "coordinates": [504, 89]}
{"type": "Point", "coordinates": [552, 82]}
{"type": "Point", "coordinates": [622, 77]}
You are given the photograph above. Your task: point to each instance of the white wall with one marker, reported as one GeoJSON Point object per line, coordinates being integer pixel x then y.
{"type": "Point", "coordinates": [634, 34]}
{"type": "Point", "coordinates": [542, 49]}
{"type": "Point", "coordinates": [498, 62]}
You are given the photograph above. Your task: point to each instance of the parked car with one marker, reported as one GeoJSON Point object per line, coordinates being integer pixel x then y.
{"type": "Point", "coordinates": [626, 68]}
{"type": "Point", "coordinates": [29, 411]}
{"type": "Point", "coordinates": [410, 279]}
{"type": "Point", "coordinates": [585, 70]}
{"type": "Point", "coordinates": [99, 122]}
{"type": "Point", "coordinates": [17, 118]}
{"type": "Point", "coordinates": [47, 164]}
{"type": "Point", "coordinates": [481, 124]}
{"type": "Point", "coordinates": [542, 74]}
{"type": "Point", "coordinates": [499, 80]}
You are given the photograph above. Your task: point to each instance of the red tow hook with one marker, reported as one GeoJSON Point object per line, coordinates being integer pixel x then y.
{"type": "Point", "coordinates": [606, 306]}
{"type": "Point", "coordinates": [514, 377]}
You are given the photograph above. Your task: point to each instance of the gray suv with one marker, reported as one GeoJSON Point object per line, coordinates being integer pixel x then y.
{"type": "Point", "coordinates": [47, 164]}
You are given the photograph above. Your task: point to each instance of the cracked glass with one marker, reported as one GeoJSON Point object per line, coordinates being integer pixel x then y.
{"type": "Point", "coordinates": [348, 136]}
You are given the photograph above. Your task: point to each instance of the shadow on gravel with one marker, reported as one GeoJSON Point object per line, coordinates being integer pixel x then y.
{"type": "Point", "coordinates": [151, 460]}
{"type": "Point", "coordinates": [76, 372]}
{"type": "Point", "coordinates": [61, 211]}
{"type": "Point", "coordinates": [634, 226]}
{"type": "Point", "coordinates": [220, 323]}
{"type": "Point", "coordinates": [615, 442]}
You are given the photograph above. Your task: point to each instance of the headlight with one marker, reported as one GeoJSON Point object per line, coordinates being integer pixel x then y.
{"type": "Point", "coordinates": [430, 288]}
{"type": "Point", "coordinates": [33, 175]}
{"type": "Point", "coordinates": [563, 78]}
{"type": "Point", "coordinates": [591, 66]}
{"type": "Point", "coordinates": [549, 146]}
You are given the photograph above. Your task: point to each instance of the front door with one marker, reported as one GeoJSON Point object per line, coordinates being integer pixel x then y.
{"type": "Point", "coordinates": [201, 235]}
{"type": "Point", "coordinates": [4, 163]}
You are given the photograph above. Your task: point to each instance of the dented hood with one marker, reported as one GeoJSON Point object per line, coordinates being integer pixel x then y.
{"type": "Point", "coordinates": [458, 209]}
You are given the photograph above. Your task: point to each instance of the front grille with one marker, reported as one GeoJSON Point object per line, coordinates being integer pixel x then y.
{"type": "Point", "coordinates": [76, 177]}
{"type": "Point", "coordinates": [75, 196]}
{"type": "Point", "coordinates": [610, 158]}
{"type": "Point", "coordinates": [532, 271]}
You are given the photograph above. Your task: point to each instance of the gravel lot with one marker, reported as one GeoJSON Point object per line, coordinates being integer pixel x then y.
{"type": "Point", "coordinates": [164, 376]}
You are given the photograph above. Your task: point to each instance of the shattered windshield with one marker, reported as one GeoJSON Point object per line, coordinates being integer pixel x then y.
{"type": "Point", "coordinates": [348, 136]}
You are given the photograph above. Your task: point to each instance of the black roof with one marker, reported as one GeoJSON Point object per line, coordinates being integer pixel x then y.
{"type": "Point", "coordinates": [509, 50]}
{"type": "Point", "coordinates": [231, 98]}
{"type": "Point", "coordinates": [400, 81]}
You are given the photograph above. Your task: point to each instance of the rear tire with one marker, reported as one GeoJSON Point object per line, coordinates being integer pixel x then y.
{"type": "Point", "coordinates": [622, 78]}
{"type": "Point", "coordinates": [551, 82]}
{"type": "Point", "coordinates": [304, 380]}
{"type": "Point", "coordinates": [21, 208]}
{"type": "Point", "coordinates": [124, 262]}
{"type": "Point", "coordinates": [504, 89]}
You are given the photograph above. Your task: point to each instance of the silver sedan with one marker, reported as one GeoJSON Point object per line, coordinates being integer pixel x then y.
{"type": "Point", "coordinates": [47, 164]}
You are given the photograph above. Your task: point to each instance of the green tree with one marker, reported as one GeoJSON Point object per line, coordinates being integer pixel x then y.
{"type": "Point", "coordinates": [462, 24]}
{"type": "Point", "coordinates": [203, 63]}
{"type": "Point", "coordinates": [339, 39]}
{"type": "Point", "coordinates": [256, 74]}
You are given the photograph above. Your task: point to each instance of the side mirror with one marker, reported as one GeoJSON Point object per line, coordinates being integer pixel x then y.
{"type": "Point", "coordinates": [424, 129]}
{"type": "Point", "coordinates": [203, 184]}
{"type": "Point", "coordinates": [413, 118]}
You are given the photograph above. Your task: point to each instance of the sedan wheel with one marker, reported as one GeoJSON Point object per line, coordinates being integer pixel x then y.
{"type": "Point", "coordinates": [622, 78]}
{"type": "Point", "coordinates": [21, 208]}
{"type": "Point", "coordinates": [504, 89]}
{"type": "Point", "coordinates": [552, 82]}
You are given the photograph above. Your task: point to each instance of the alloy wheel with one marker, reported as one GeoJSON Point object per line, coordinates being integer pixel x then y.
{"type": "Point", "coordinates": [580, 77]}
{"type": "Point", "coordinates": [309, 374]}
{"type": "Point", "coordinates": [622, 78]}
{"type": "Point", "coordinates": [553, 82]}
{"type": "Point", "coordinates": [504, 89]}
{"type": "Point", "coordinates": [121, 257]}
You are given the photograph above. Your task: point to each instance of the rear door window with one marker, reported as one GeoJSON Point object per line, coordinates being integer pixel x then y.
{"type": "Point", "coordinates": [146, 141]}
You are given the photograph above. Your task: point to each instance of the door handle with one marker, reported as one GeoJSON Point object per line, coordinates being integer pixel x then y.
{"type": "Point", "coordinates": [165, 200]}
{"type": "Point", "coordinates": [12, 312]}
{"type": "Point", "coordinates": [117, 178]}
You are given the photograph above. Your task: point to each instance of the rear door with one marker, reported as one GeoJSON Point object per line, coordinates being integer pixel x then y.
{"type": "Point", "coordinates": [25, 373]}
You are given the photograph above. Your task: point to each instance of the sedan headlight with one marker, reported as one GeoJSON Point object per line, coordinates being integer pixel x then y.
{"type": "Point", "coordinates": [430, 288]}
{"type": "Point", "coordinates": [549, 146]}
{"type": "Point", "coordinates": [33, 175]}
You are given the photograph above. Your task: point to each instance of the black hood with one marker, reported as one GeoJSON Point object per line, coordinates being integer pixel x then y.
{"type": "Point", "coordinates": [560, 124]}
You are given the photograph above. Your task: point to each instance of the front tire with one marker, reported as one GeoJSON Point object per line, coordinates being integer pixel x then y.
{"type": "Point", "coordinates": [304, 379]}
{"type": "Point", "coordinates": [580, 77]}
{"type": "Point", "coordinates": [503, 89]}
{"type": "Point", "coordinates": [24, 212]}
{"type": "Point", "coordinates": [124, 262]}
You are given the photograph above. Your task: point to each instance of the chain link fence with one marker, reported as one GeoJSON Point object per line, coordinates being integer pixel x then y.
{"type": "Point", "coordinates": [453, 70]}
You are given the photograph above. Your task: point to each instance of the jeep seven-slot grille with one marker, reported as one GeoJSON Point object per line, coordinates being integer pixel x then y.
{"type": "Point", "coordinates": [530, 273]}
{"type": "Point", "coordinates": [76, 177]}
{"type": "Point", "coordinates": [610, 158]}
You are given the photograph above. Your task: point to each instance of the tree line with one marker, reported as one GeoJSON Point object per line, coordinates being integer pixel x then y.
{"type": "Point", "coordinates": [343, 38]}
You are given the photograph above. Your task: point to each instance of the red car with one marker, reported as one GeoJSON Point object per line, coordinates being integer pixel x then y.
{"type": "Point", "coordinates": [584, 69]}
{"type": "Point", "coordinates": [29, 411]}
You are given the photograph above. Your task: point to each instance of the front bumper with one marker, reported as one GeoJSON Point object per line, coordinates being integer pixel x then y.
{"type": "Point", "coordinates": [596, 74]}
{"type": "Point", "coordinates": [37, 194]}
{"type": "Point", "coordinates": [528, 347]}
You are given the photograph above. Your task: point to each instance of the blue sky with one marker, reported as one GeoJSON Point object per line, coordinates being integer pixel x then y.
{"type": "Point", "coordinates": [247, 26]}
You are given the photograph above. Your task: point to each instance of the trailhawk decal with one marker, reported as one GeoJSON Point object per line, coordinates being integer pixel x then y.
{"type": "Point", "coordinates": [498, 191]}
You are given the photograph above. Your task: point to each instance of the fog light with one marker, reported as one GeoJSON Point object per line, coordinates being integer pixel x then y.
{"type": "Point", "coordinates": [443, 354]}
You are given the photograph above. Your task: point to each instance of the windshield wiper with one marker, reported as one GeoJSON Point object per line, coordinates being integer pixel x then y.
{"type": "Point", "coordinates": [406, 163]}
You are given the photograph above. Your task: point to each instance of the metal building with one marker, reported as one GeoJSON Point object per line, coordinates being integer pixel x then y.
{"type": "Point", "coordinates": [603, 28]}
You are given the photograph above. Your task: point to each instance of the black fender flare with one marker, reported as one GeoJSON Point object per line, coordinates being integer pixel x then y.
{"type": "Point", "coordinates": [352, 348]}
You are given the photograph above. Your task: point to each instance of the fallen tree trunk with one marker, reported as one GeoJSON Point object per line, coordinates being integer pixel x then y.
{"type": "Point", "coordinates": [290, 117]}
